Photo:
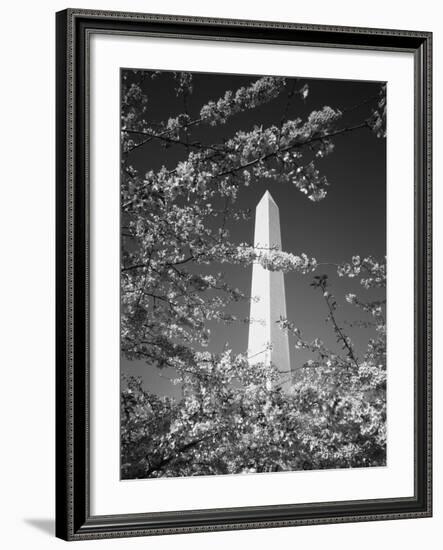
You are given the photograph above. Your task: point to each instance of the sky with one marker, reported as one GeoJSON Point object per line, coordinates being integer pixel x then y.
{"type": "Point", "coordinates": [350, 220]}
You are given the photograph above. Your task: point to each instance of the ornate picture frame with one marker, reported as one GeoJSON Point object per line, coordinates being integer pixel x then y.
{"type": "Point", "coordinates": [75, 519]}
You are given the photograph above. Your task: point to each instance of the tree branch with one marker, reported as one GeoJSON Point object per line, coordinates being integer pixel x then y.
{"type": "Point", "coordinates": [165, 461]}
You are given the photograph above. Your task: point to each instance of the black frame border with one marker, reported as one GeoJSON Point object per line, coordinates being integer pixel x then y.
{"type": "Point", "coordinates": [73, 30]}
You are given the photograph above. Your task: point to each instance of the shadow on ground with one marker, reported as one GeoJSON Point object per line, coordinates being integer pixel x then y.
{"type": "Point", "coordinates": [42, 524]}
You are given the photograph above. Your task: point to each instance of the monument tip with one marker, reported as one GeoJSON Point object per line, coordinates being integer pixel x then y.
{"type": "Point", "coordinates": [267, 197]}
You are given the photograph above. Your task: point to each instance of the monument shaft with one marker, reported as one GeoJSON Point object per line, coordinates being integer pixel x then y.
{"type": "Point", "coordinates": [268, 293]}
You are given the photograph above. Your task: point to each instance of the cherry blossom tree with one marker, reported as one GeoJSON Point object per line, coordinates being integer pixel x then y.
{"type": "Point", "coordinates": [234, 417]}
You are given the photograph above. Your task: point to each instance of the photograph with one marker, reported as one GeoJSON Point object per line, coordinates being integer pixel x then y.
{"type": "Point", "coordinates": [252, 274]}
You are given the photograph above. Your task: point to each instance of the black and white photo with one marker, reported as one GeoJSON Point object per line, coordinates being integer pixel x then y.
{"type": "Point", "coordinates": [253, 274]}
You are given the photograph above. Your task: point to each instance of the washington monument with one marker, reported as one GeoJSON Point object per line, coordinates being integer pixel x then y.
{"type": "Point", "coordinates": [267, 342]}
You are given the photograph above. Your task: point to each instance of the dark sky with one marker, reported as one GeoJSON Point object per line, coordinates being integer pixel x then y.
{"type": "Point", "coordinates": [350, 220]}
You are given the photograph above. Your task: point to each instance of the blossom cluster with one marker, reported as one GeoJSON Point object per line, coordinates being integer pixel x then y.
{"type": "Point", "coordinates": [274, 259]}
{"type": "Point", "coordinates": [377, 120]}
{"type": "Point", "coordinates": [320, 121]}
{"type": "Point", "coordinates": [373, 271]}
{"type": "Point", "coordinates": [183, 83]}
{"type": "Point", "coordinates": [261, 91]}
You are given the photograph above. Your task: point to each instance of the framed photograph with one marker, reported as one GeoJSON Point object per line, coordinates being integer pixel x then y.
{"type": "Point", "coordinates": [243, 274]}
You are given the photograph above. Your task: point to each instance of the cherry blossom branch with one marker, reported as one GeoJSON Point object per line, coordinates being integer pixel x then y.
{"type": "Point", "coordinates": [180, 450]}
{"type": "Point", "coordinates": [321, 282]}
{"type": "Point", "coordinates": [264, 158]}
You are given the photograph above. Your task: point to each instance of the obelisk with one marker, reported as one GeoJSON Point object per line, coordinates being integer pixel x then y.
{"type": "Point", "coordinates": [267, 342]}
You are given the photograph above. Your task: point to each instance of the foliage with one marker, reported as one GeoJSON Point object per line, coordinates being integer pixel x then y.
{"type": "Point", "coordinates": [233, 417]}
